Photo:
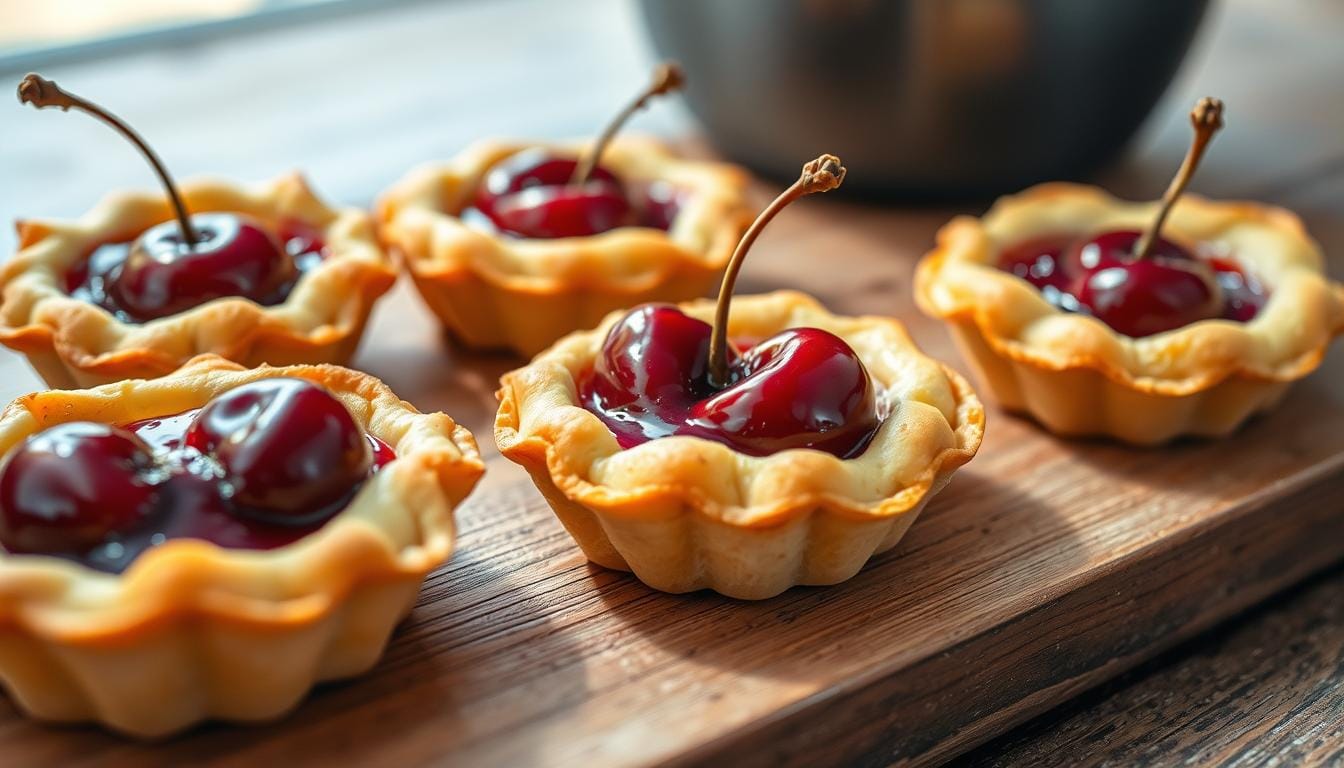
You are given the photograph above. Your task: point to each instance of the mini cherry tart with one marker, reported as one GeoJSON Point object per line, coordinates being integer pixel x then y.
{"type": "Point", "coordinates": [521, 288]}
{"type": "Point", "coordinates": [258, 467]}
{"type": "Point", "coordinates": [737, 508]}
{"type": "Point", "coordinates": [158, 275]}
{"type": "Point", "coordinates": [110, 296]}
{"type": "Point", "coordinates": [530, 195]}
{"type": "Point", "coordinates": [279, 544]}
{"type": "Point", "coordinates": [800, 388]}
{"type": "Point", "coordinates": [1000, 281]}
{"type": "Point", "coordinates": [1169, 289]}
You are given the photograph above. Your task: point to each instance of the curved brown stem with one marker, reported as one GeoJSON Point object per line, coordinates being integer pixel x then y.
{"type": "Point", "coordinates": [821, 175]}
{"type": "Point", "coordinates": [667, 77]}
{"type": "Point", "coordinates": [1207, 119]}
{"type": "Point", "coordinates": [41, 93]}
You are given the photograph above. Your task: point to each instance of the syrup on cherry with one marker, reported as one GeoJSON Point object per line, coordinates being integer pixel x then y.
{"type": "Point", "coordinates": [179, 264]}
{"type": "Point", "coordinates": [537, 194]}
{"type": "Point", "coordinates": [258, 467]}
{"type": "Point", "coordinates": [661, 372]}
{"type": "Point", "coordinates": [1140, 283]}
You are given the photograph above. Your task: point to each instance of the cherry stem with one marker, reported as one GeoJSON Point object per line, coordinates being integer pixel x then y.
{"type": "Point", "coordinates": [667, 78]}
{"type": "Point", "coordinates": [1207, 119]}
{"type": "Point", "coordinates": [41, 93]}
{"type": "Point", "coordinates": [821, 175]}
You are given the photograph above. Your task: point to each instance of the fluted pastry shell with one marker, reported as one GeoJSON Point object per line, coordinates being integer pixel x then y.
{"type": "Point", "coordinates": [1075, 375]}
{"type": "Point", "coordinates": [497, 291]}
{"type": "Point", "coordinates": [192, 631]}
{"type": "Point", "coordinates": [685, 513]}
{"type": "Point", "coordinates": [72, 343]}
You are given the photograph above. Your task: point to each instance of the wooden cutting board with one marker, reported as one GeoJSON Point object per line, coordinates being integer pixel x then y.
{"type": "Point", "coordinates": [1046, 566]}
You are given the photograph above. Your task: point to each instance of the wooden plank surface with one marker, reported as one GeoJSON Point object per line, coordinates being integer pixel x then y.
{"type": "Point", "coordinates": [1268, 687]}
{"type": "Point", "coordinates": [1046, 567]}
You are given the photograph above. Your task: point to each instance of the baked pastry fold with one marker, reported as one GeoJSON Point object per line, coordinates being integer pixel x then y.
{"type": "Point", "coordinates": [193, 631]}
{"type": "Point", "coordinates": [73, 343]}
{"type": "Point", "coordinates": [684, 513]}
{"type": "Point", "coordinates": [1076, 375]}
{"type": "Point", "coordinates": [497, 291]}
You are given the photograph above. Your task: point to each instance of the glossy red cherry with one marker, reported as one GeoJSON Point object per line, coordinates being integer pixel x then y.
{"type": "Point", "coordinates": [181, 263]}
{"type": "Point", "coordinates": [72, 486]}
{"type": "Point", "coordinates": [529, 194]}
{"type": "Point", "coordinates": [537, 194]}
{"type": "Point", "coordinates": [233, 256]}
{"type": "Point", "coordinates": [661, 372]}
{"type": "Point", "coordinates": [802, 388]}
{"type": "Point", "coordinates": [1168, 289]}
{"type": "Point", "coordinates": [290, 451]}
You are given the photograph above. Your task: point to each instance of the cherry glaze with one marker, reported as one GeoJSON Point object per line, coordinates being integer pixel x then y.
{"type": "Point", "coordinates": [802, 388]}
{"type": "Point", "coordinates": [156, 276]}
{"type": "Point", "coordinates": [528, 195]}
{"type": "Point", "coordinates": [1136, 297]}
{"type": "Point", "coordinates": [226, 473]}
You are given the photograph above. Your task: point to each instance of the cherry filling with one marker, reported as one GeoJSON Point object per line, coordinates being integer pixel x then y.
{"type": "Point", "coordinates": [260, 466]}
{"type": "Point", "coordinates": [1168, 289]}
{"type": "Point", "coordinates": [530, 195]}
{"type": "Point", "coordinates": [802, 388]}
{"type": "Point", "coordinates": [157, 275]}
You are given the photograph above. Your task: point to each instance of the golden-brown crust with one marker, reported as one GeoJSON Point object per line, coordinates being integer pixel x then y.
{"type": "Point", "coordinates": [327, 602]}
{"type": "Point", "coordinates": [74, 343]}
{"type": "Point", "coordinates": [1204, 378]}
{"type": "Point", "coordinates": [701, 494]}
{"type": "Point", "coordinates": [477, 281]}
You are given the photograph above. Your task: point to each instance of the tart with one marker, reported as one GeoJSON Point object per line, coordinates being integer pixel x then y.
{"type": "Point", "coordinates": [495, 289]}
{"type": "Point", "coordinates": [779, 445]}
{"type": "Point", "coordinates": [686, 513]}
{"type": "Point", "coordinates": [180, 575]}
{"type": "Point", "coordinates": [73, 341]}
{"type": "Point", "coordinates": [1076, 375]}
{"type": "Point", "coordinates": [1142, 322]}
{"type": "Point", "coordinates": [141, 284]}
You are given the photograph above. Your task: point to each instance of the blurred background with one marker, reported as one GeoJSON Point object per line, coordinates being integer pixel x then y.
{"type": "Point", "coordinates": [945, 98]}
{"type": "Point", "coordinates": [926, 100]}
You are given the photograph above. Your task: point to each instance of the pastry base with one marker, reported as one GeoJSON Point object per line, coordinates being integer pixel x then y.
{"type": "Point", "coordinates": [1082, 402]}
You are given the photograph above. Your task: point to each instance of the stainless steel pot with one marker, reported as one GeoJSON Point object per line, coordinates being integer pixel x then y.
{"type": "Point", "coordinates": [925, 97]}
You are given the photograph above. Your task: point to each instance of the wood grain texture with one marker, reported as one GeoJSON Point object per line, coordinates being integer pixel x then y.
{"type": "Point", "coordinates": [1046, 567]}
{"type": "Point", "coordinates": [1267, 687]}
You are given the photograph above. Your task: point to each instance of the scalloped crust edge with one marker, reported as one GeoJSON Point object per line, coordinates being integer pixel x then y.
{"type": "Point", "coordinates": [570, 283]}
{"type": "Point", "coordinates": [675, 539]}
{"type": "Point", "coordinates": [74, 344]}
{"type": "Point", "coordinates": [193, 631]}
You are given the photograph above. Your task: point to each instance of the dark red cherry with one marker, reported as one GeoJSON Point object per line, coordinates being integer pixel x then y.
{"type": "Point", "coordinates": [1140, 297]}
{"type": "Point", "coordinates": [655, 353]}
{"type": "Point", "coordinates": [529, 194]}
{"type": "Point", "coordinates": [233, 256]}
{"type": "Point", "coordinates": [70, 487]}
{"type": "Point", "coordinates": [661, 372]}
{"type": "Point", "coordinates": [290, 451]}
{"type": "Point", "coordinates": [802, 388]}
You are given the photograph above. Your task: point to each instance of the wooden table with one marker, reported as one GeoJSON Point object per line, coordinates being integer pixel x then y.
{"type": "Point", "coordinates": [1047, 566]}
